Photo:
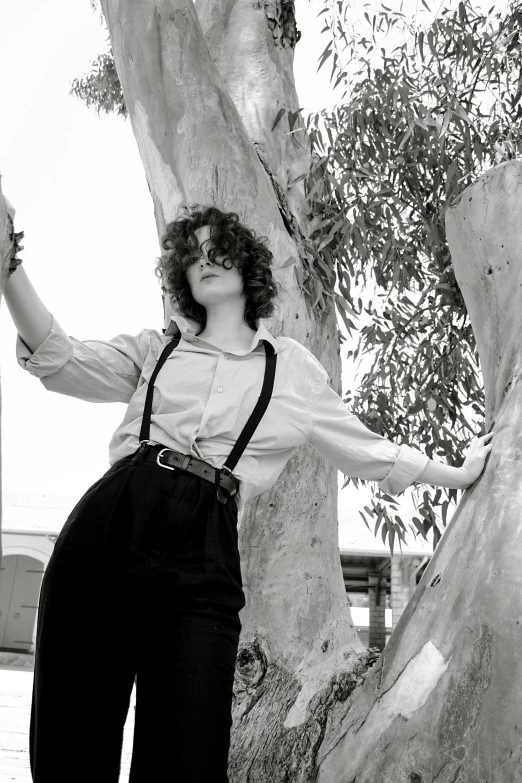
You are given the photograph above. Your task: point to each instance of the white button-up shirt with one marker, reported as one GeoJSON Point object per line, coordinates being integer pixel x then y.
{"type": "Point", "coordinates": [203, 397]}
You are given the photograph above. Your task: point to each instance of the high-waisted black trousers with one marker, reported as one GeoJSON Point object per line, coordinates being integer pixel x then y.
{"type": "Point", "coordinates": [144, 582]}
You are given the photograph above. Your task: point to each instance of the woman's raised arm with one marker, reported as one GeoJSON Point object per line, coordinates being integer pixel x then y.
{"type": "Point", "coordinates": [31, 317]}
{"type": "Point", "coordinates": [92, 370]}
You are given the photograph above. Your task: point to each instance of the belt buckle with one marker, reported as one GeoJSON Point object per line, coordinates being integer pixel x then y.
{"type": "Point", "coordinates": [167, 467]}
{"type": "Point", "coordinates": [183, 466]}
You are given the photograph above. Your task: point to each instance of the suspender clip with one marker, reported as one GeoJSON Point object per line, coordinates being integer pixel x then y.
{"type": "Point", "coordinates": [226, 485]}
{"type": "Point", "coordinates": [144, 444]}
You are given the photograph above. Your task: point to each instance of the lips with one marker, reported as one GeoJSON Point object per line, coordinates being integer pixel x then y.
{"type": "Point", "coordinates": [211, 274]}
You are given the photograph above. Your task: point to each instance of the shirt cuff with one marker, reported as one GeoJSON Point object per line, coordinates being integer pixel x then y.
{"type": "Point", "coordinates": [55, 351]}
{"type": "Point", "coordinates": [407, 468]}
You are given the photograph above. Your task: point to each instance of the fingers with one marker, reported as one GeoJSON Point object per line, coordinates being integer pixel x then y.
{"type": "Point", "coordinates": [480, 441]}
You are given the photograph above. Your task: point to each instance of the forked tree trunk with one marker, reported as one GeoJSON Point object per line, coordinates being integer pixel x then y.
{"type": "Point", "coordinates": [202, 98]}
{"type": "Point", "coordinates": [444, 703]}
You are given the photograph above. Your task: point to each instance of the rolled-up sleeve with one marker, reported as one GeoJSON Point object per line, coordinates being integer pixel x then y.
{"type": "Point", "coordinates": [356, 451]}
{"type": "Point", "coordinates": [92, 370]}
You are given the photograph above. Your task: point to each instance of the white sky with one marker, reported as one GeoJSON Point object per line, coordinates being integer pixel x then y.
{"type": "Point", "coordinates": [81, 197]}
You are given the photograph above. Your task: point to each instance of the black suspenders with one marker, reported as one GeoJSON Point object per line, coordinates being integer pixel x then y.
{"type": "Point", "coordinates": [145, 422]}
{"type": "Point", "coordinates": [250, 426]}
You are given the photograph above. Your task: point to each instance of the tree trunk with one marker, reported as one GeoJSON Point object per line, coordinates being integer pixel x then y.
{"type": "Point", "coordinates": [444, 702]}
{"type": "Point", "coordinates": [5, 257]}
{"type": "Point", "coordinates": [203, 84]}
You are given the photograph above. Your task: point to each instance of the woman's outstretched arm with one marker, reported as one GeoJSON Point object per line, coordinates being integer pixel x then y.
{"type": "Point", "coordinates": [357, 451]}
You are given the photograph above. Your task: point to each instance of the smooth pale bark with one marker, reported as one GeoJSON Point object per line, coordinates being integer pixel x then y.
{"type": "Point", "coordinates": [444, 703]}
{"type": "Point", "coordinates": [299, 655]}
{"type": "Point", "coordinates": [252, 48]}
{"type": "Point", "coordinates": [5, 247]}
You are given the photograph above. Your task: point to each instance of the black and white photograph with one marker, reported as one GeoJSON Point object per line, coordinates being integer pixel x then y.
{"type": "Point", "coordinates": [260, 470]}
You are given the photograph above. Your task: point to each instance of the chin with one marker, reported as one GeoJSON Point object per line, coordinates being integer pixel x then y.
{"type": "Point", "coordinates": [210, 300]}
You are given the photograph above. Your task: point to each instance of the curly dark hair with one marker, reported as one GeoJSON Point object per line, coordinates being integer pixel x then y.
{"type": "Point", "coordinates": [229, 237]}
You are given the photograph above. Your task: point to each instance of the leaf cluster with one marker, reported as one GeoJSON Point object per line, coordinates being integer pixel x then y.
{"type": "Point", "coordinates": [421, 122]}
{"type": "Point", "coordinates": [101, 88]}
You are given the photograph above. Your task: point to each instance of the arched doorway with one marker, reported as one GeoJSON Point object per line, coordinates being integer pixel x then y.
{"type": "Point", "coordinates": [20, 581]}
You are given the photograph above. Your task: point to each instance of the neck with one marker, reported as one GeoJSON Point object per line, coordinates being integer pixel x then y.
{"type": "Point", "coordinates": [226, 325]}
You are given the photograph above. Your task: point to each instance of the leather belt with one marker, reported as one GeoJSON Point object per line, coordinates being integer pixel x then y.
{"type": "Point", "coordinates": [170, 459]}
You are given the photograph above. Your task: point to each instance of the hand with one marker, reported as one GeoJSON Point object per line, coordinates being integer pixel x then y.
{"type": "Point", "coordinates": [475, 458]}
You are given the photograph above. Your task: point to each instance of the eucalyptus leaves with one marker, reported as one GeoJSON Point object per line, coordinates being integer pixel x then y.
{"type": "Point", "coordinates": [427, 111]}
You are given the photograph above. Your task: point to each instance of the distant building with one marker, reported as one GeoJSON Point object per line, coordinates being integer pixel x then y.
{"type": "Point", "coordinates": [30, 526]}
{"type": "Point", "coordinates": [378, 585]}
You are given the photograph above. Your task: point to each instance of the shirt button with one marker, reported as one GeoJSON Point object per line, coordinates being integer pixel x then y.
{"type": "Point", "coordinates": [220, 388]}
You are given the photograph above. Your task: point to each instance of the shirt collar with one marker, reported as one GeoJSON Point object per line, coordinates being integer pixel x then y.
{"type": "Point", "coordinates": [188, 329]}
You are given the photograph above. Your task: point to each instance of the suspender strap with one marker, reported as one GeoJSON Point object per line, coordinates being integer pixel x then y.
{"type": "Point", "coordinates": [145, 422]}
{"type": "Point", "coordinates": [223, 491]}
{"type": "Point", "coordinates": [258, 412]}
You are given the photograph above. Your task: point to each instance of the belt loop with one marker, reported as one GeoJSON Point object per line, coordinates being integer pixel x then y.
{"type": "Point", "coordinates": [220, 494]}
{"type": "Point", "coordinates": [138, 453]}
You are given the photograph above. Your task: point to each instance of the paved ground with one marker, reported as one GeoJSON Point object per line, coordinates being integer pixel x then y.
{"type": "Point", "coordinates": [16, 684]}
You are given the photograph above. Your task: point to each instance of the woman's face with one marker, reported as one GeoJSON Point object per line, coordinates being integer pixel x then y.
{"type": "Point", "coordinates": [211, 283]}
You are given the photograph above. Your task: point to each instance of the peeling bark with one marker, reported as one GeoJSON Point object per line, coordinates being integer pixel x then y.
{"type": "Point", "coordinates": [274, 744]}
{"type": "Point", "coordinates": [461, 720]}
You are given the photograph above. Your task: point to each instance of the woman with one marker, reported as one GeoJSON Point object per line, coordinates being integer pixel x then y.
{"type": "Point", "coordinates": [149, 555]}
